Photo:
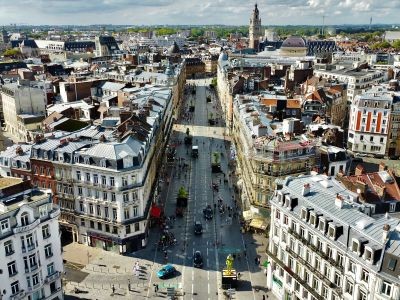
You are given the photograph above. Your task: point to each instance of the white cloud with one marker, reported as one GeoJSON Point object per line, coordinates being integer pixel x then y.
{"type": "Point", "coordinates": [234, 12]}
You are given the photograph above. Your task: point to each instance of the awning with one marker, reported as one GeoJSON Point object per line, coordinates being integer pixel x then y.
{"type": "Point", "coordinates": [247, 215]}
{"type": "Point", "coordinates": [155, 211]}
{"type": "Point", "coordinates": [258, 224]}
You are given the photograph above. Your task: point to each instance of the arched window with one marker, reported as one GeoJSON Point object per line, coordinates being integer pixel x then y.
{"type": "Point", "coordinates": [24, 219]}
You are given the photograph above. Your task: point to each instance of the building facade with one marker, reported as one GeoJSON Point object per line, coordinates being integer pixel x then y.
{"type": "Point", "coordinates": [369, 122]}
{"type": "Point", "coordinates": [30, 247]}
{"type": "Point", "coordinates": [322, 245]}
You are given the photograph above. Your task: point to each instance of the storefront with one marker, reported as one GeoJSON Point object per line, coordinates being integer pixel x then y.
{"type": "Point", "coordinates": [104, 242]}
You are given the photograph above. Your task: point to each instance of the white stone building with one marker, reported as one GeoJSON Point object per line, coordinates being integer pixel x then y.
{"type": "Point", "coordinates": [30, 249]}
{"type": "Point", "coordinates": [323, 246]}
{"type": "Point", "coordinates": [21, 98]}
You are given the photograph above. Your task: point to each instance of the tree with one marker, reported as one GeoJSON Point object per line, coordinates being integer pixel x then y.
{"type": "Point", "coordinates": [396, 45]}
{"type": "Point", "coordinates": [15, 52]}
{"type": "Point", "coordinates": [182, 193]}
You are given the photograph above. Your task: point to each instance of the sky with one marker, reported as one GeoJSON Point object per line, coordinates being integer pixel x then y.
{"type": "Point", "coordinates": [197, 12]}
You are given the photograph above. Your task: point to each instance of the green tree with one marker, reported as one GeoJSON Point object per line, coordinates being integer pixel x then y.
{"type": "Point", "coordinates": [396, 45]}
{"type": "Point", "coordinates": [15, 52]}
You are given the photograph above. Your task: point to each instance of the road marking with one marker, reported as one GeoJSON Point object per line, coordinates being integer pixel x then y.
{"type": "Point", "coordinates": [208, 275]}
{"type": "Point", "coordinates": [208, 263]}
{"type": "Point", "coordinates": [192, 274]}
{"type": "Point", "coordinates": [207, 251]}
{"type": "Point", "coordinates": [208, 288]}
{"type": "Point", "coordinates": [192, 289]}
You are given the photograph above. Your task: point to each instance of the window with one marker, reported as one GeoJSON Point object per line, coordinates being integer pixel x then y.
{"type": "Point", "coordinates": [87, 177]}
{"type": "Point", "coordinates": [80, 193]}
{"type": "Point", "coordinates": [392, 264]}
{"type": "Point", "coordinates": [105, 195]}
{"type": "Point", "coordinates": [48, 251]}
{"type": "Point", "coordinates": [338, 279]}
{"type": "Point", "coordinates": [124, 181]}
{"type": "Point", "coordinates": [5, 226]}
{"type": "Point", "coordinates": [386, 288]}
{"type": "Point", "coordinates": [89, 193]}
{"type": "Point", "coordinates": [324, 291]}
{"type": "Point", "coordinates": [32, 261]}
{"type": "Point", "coordinates": [14, 287]}
{"type": "Point", "coordinates": [45, 231]}
{"type": "Point", "coordinates": [340, 259]}
{"type": "Point", "coordinates": [78, 175]}
{"type": "Point", "coordinates": [137, 227]}
{"type": "Point", "coordinates": [24, 219]}
{"type": "Point", "coordinates": [126, 197]}
{"type": "Point", "coordinates": [331, 232]}
{"type": "Point", "coordinates": [95, 178]}
{"type": "Point", "coordinates": [362, 295]}
{"type": "Point", "coordinates": [114, 210]}
{"type": "Point", "coordinates": [321, 226]}
{"type": "Point", "coordinates": [12, 268]}
{"type": "Point", "coordinates": [83, 223]}
{"type": "Point", "coordinates": [92, 224]}
{"type": "Point", "coordinates": [91, 208]}
{"type": "Point", "coordinates": [81, 207]}
{"type": "Point", "coordinates": [98, 208]}
{"type": "Point", "coordinates": [364, 275]}
{"type": "Point", "coordinates": [135, 211]}
{"type": "Point", "coordinates": [103, 163]}
{"type": "Point", "coordinates": [107, 228]}
{"type": "Point", "coordinates": [368, 255]}
{"type": "Point", "coordinates": [115, 230]}
{"type": "Point", "coordinates": [126, 213]}
{"type": "Point", "coordinates": [99, 226]}
{"type": "Point", "coordinates": [103, 180]}
{"type": "Point", "coordinates": [35, 279]}
{"type": "Point", "coordinates": [302, 232]}
{"type": "Point", "coordinates": [277, 215]}
{"type": "Point", "coordinates": [106, 211]}
{"type": "Point", "coordinates": [112, 181]}
{"type": "Point", "coordinates": [392, 207]}
{"type": "Point", "coordinates": [352, 267]}
{"type": "Point", "coordinates": [29, 241]}
{"type": "Point", "coordinates": [8, 247]}
{"type": "Point", "coordinates": [304, 214]}
{"type": "Point", "coordinates": [355, 246]}
{"type": "Point", "coordinates": [285, 220]}
{"type": "Point", "coordinates": [113, 197]}
{"type": "Point", "coordinates": [349, 287]}
{"type": "Point", "coordinates": [128, 229]}
{"type": "Point", "coordinates": [50, 269]}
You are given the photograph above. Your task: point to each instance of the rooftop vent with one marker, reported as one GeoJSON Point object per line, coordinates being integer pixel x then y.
{"type": "Point", "coordinates": [339, 201]}
{"type": "Point", "coordinates": [306, 189]}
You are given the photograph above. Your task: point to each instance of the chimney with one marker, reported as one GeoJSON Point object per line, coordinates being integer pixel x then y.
{"type": "Point", "coordinates": [339, 201]}
{"type": "Point", "coordinates": [306, 189]}
{"type": "Point", "coordinates": [382, 167]}
{"type": "Point", "coordinates": [359, 170]}
{"type": "Point", "coordinates": [386, 229]}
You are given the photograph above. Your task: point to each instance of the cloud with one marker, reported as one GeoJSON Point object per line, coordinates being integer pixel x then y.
{"type": "Point", "coordinates": [233, 12]}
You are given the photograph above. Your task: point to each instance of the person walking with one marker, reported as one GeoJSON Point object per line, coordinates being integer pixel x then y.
{"type": "Point", "coordinates": [113, 289]}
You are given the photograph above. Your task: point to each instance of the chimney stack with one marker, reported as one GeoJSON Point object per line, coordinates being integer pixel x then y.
{"type": "Point", "coordinates": [339, 201]}
{"type": "Point", "coordinates": [306, 189]}
{"type": "Point", "coordinates": [386, 229]}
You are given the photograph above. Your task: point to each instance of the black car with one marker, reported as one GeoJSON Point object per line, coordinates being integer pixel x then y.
{"type": "Point", "coordinates": [198, 227]}
{"type": "Point", "coordinates": [208, 213]}
{"type": "Point", "coordinates": [197, 260]}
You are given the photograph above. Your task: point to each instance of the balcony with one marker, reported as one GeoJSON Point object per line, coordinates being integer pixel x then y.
{"type": "Point", "coordinates": [56, 212]}
{"type": "Point", "coordinates": [53, 277]}
{"type": "Point", "coordinates": [20, 295]}
{"type": "Point", "coordinates": [21, 229]}
{"type": "Point", "coordinates": [129, 186]}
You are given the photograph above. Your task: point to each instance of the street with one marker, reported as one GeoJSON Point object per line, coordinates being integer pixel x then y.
{"type": "Point", "coordinates": [221, 235]}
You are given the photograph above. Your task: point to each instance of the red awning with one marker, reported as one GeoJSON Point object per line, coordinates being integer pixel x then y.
{"type": "Point", "coordinates": [155, 211]}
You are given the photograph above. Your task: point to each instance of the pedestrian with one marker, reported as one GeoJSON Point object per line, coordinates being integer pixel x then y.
{"type": "Point", "coordinates": [263, 297]}
{"type": "Point", "coordinates": [156, 288]}
{"type": "Point", "coordinates": [113, 289]}
{"type": "Point", "coordinates": [129, 284]}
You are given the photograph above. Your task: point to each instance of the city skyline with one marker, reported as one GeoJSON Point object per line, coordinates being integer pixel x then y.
{"type": "Point", "coordinates": [232, 12]}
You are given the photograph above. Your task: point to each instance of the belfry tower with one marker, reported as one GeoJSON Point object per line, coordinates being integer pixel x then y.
{"type": "Point", "coordinates": [255, 29]}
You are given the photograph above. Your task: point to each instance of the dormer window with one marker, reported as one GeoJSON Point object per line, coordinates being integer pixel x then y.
{"type": "Point", "coordinates": [103, 163]}
{"type": "Point", "coordinates": [87, 160]}
{"type": "Point", "coordinates": [321, 226]}
{"type": "Point", "coordinates": [76, 158]}
{"type": "Point", "coordinates": [368, 255]}
{"type": "Point", "coordinates": [24, 219]}
{"type": "Point", "coordinates": [331, 231]}
{"type": "Point", "coordinates": [355, 246]}
{"type": "Point", "coordinates": [304, 214]}
{"type": "Point", "coordinates": [314, 219]}
{"type": "Point", "coordinates": [61, 157]}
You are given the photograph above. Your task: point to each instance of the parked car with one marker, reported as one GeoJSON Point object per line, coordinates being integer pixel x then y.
{"type": "Point", "coordinates": [166, 271]}
{"type": "Point", "coordinates": [197, 260]}
{"type": "Point", "coordinates": [198, 227]}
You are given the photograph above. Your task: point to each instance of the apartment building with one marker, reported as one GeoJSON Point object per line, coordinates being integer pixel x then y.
{"type": "Point", "coordinates": [358, 80]}
{"type": "Point", "coordinates": [323, 246]}
{"type": "Point", "coordinates": [15, 161]}
{"type": "Point", "coordinates": [30, 245]}
{"type": "Point", "coordinates": [267, 149]}
{"type": "Point", "coordinates": [19, 99]}
{"type": "Point", "coordinates": [369, 122]}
